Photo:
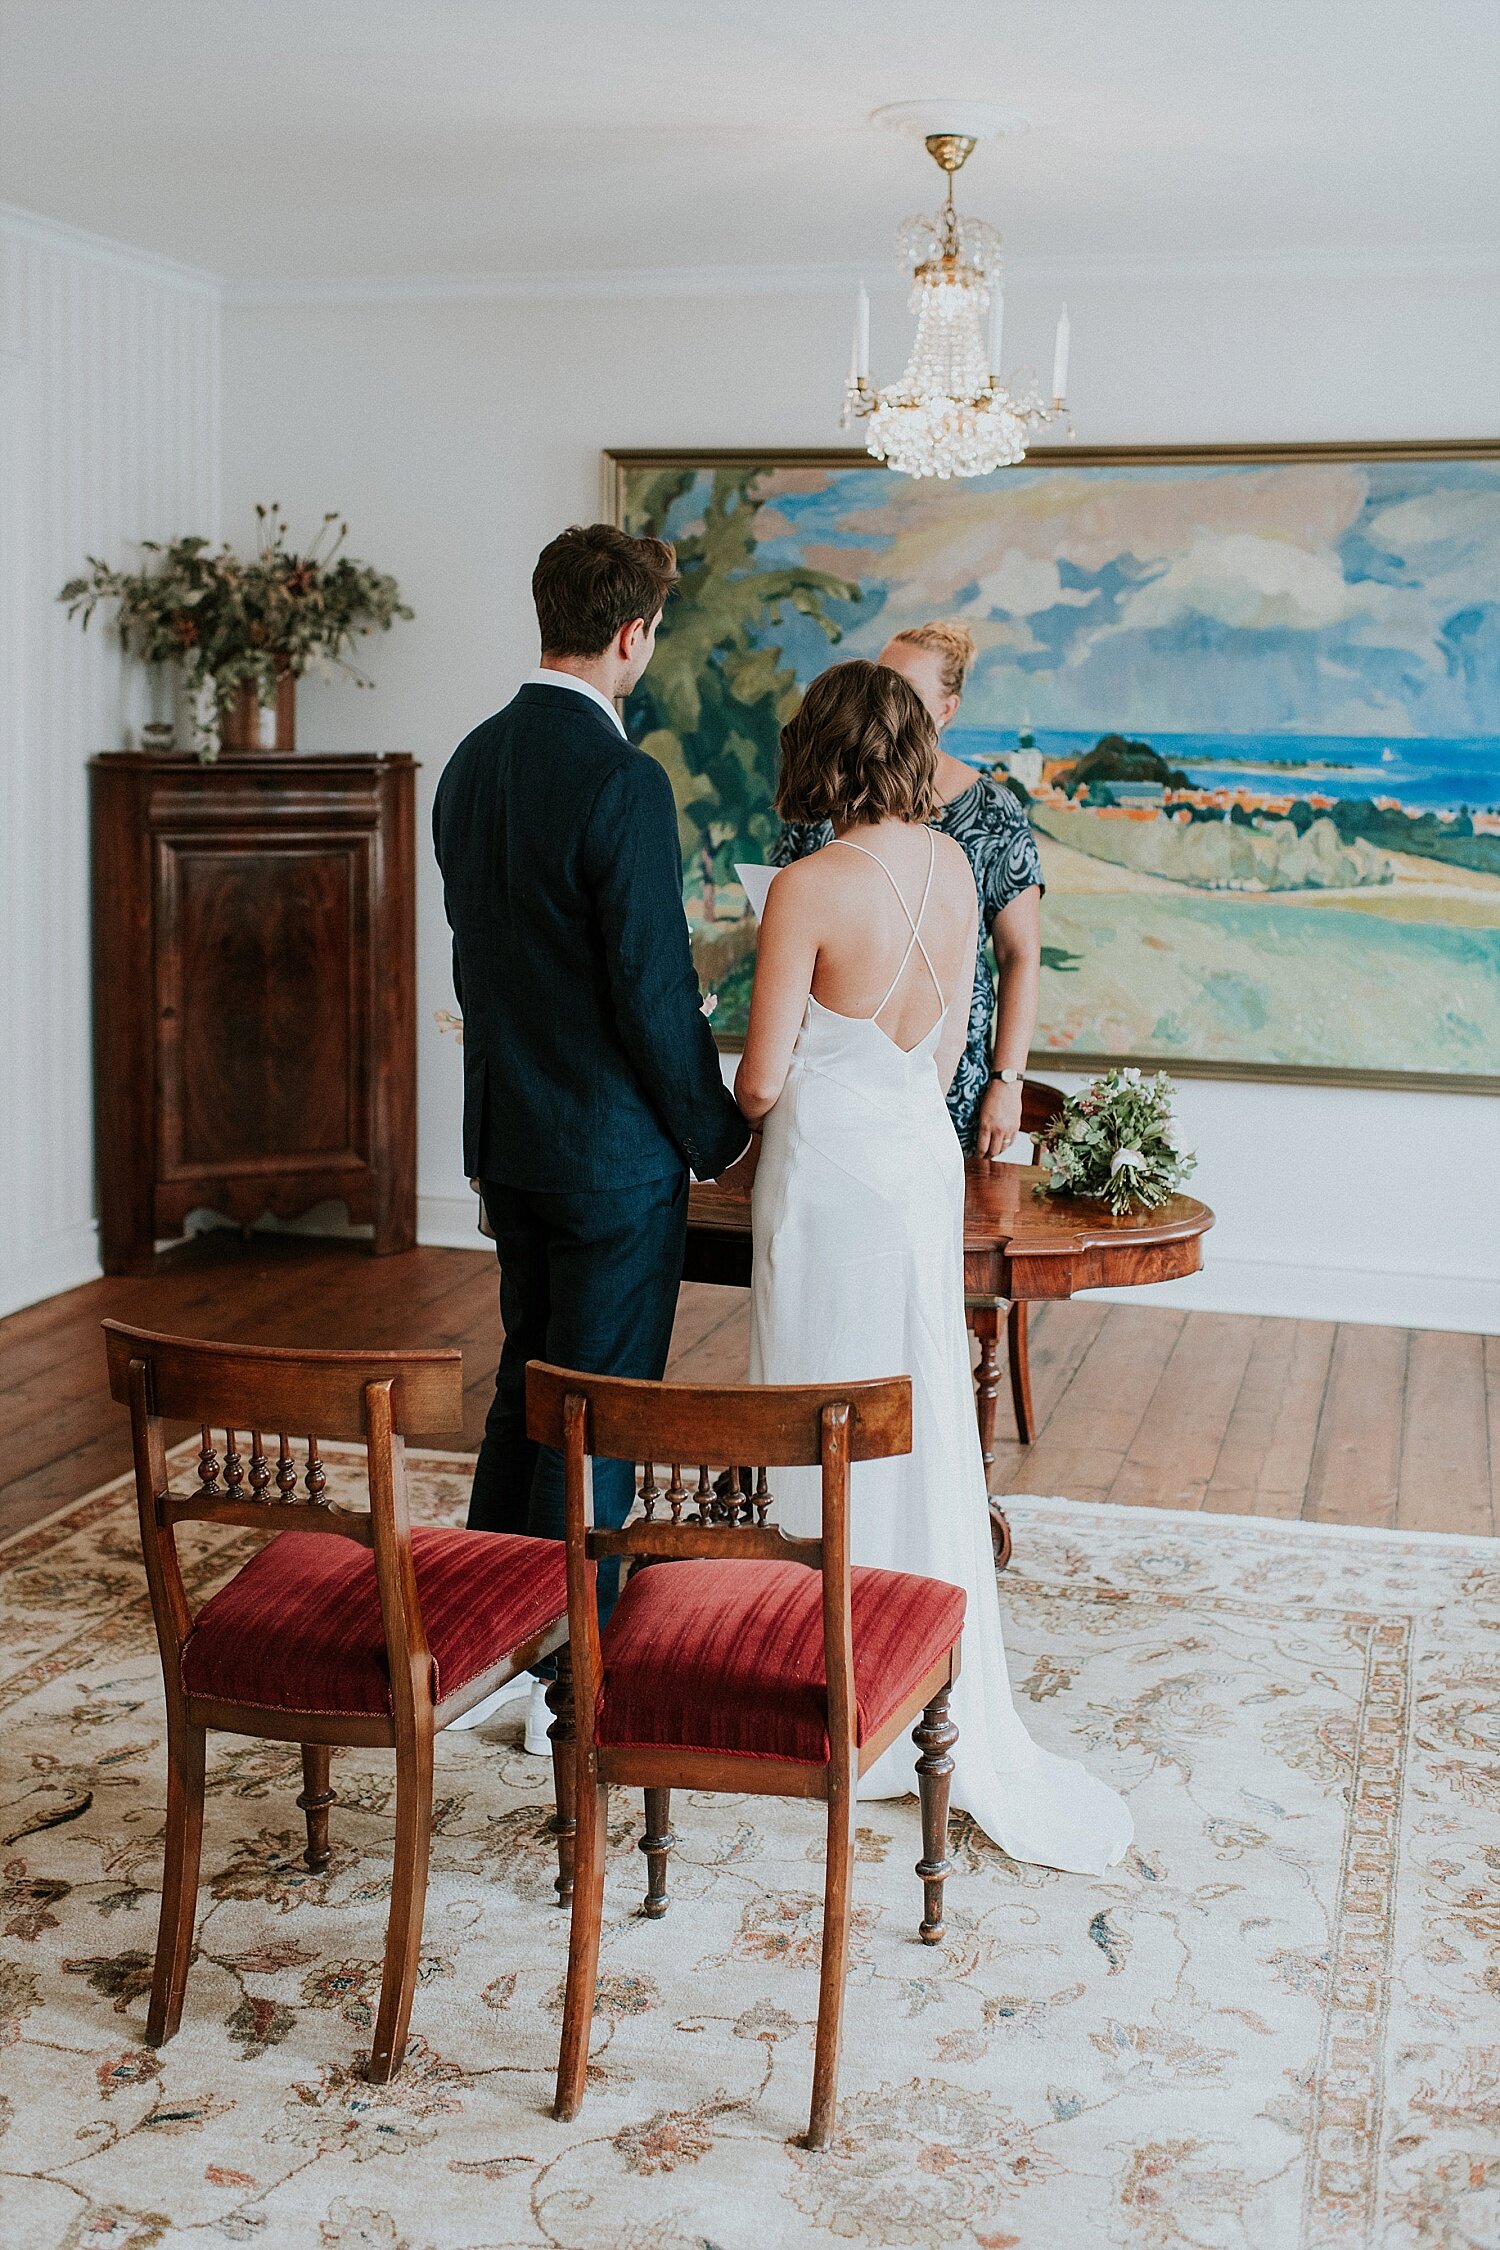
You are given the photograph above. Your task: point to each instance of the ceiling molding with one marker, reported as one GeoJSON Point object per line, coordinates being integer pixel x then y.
{"type": "Point", "coordinates": [1456, 261]}
{"type": "Point", "coordinates": [1432, 262]}
{"type": "Point", "coordinates": [19, 225]}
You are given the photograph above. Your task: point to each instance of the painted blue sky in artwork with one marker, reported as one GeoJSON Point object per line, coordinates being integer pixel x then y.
{"type": "Point", "coordinates": [1310, 598]}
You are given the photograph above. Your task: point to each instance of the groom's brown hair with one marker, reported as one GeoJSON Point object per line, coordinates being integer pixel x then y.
{"type": "Point", "coordinates": [591, 580]}
{"type": "Point", "coordinates": [862, 748]}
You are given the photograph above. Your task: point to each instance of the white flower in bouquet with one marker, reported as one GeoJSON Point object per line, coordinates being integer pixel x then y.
{"type": "Point", "coordinates": [1118, 1142]}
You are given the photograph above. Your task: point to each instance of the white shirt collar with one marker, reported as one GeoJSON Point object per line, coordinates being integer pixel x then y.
{"type": "Point", "coordinates": [544, 676]}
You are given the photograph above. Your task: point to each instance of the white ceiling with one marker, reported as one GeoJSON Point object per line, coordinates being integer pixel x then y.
{"type": "Point", "coordinates": [297, 140]}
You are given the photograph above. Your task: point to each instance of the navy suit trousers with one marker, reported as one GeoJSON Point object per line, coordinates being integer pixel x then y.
{"type": "Point", "coordinates": [588, 1279]}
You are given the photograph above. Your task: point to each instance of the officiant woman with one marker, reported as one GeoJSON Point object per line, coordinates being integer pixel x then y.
{"type": "Point", "coordinates": [983, 815]}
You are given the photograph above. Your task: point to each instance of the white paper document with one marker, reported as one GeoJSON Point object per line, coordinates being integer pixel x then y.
{"type": "Point", "coordinates": [755, 882]}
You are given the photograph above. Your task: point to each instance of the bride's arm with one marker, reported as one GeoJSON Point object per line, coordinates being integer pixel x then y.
{"type": "Point", "coordinates": [786, 956]}
{"type": "Point", "coordinates": [956, 1030]}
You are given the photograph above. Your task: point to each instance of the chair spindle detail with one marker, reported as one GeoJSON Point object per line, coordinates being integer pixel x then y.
{"type": "Point", "coordinates": [208, 1466]}
{"type": "Point", "coordinates": [732, 1496]}
{"type": "Point", "coordinates": [260, 1467]}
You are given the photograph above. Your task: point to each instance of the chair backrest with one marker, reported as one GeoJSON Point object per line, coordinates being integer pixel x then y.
{"type": "Point", "coordinates": [229, 1389]}
{"type": "Point", "coordinates": [749, 1429]}
{"type": "Point", "coordinates": [1040, 1103]}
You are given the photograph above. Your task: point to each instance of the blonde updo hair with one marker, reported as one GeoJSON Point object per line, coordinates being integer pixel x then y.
{"type": "Point", "coordinates": [862, 748]}
{"type": "Point", "coordinates": [955, 644]}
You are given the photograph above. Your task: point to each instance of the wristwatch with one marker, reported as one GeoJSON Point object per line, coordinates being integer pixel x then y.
{"type": "Point", "coordinates": [1008, 1077]}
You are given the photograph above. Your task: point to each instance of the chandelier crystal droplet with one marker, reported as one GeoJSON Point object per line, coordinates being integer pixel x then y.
{"type": "Point", "coordinates": [950, 415]}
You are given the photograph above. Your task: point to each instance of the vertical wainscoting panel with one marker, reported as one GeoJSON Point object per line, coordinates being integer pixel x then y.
{"type": "Point", "coordinates": [109, 433]}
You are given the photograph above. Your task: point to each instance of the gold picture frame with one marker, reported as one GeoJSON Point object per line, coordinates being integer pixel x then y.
{"type": "Point", "coordinates": [620, 466]}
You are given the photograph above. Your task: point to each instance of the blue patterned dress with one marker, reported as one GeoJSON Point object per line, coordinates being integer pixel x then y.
{"type": "Point", "coordinates": [990, 823]}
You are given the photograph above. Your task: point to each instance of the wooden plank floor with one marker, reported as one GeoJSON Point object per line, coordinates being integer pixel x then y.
{"type": "Point", "coordinates": [1162, 1409]}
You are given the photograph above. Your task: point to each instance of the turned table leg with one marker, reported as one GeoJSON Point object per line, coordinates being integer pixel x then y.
{"type": "Point", "coordinates": [984, 1321]}
{"type": "Point", "coordinates": [985, 1315]}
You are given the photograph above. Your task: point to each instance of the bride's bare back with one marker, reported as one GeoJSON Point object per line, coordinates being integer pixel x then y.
{"type": "Point", "coordinates": [834, 927]}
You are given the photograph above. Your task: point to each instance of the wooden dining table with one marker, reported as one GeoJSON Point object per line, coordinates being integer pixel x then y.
{"type": "Point", "coordinates": [1018, 1247]}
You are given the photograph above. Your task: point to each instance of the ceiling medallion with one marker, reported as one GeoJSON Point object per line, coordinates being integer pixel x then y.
{"type": "Point", "coordinates": [950, 415]}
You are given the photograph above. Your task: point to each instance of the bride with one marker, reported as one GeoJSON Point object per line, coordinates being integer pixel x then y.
{"type": "Point", "coordinates": [858, 1210]}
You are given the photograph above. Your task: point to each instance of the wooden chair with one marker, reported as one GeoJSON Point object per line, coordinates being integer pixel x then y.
{"type": "Point", "coordinates": [347, 1627]}
{"type": "Point", "coordinates": [1040, 1103]}
{"type": "Point", "coordinates": [755, 1663]}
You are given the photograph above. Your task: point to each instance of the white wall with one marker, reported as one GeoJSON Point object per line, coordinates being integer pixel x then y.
{"type": "Point", "coordinates": [109, 432]}
{"type": "Point", "coordinates": [458, 435]}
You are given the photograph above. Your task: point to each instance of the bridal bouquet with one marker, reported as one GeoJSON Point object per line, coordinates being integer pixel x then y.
{"type": "Point", "coordinates": [1117, 1141]}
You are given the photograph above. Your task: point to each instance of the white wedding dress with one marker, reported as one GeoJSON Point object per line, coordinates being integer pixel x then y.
{"type": "Point", "coordinates": [858, 1225]}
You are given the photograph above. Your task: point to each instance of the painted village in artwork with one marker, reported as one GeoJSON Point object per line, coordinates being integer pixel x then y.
{"type": "Point", "coordinates": [1253, 710]}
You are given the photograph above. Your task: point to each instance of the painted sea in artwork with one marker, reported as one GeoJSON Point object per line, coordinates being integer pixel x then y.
{"type": "Point", "coordinates": [1253, 709]}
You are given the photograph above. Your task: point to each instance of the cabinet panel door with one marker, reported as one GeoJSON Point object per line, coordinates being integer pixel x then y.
{"type": "Point", "coordinates": [262, 1014]}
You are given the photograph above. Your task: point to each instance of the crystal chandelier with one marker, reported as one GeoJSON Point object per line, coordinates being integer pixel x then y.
{"type": "Point", "coordinates": [950, 415]}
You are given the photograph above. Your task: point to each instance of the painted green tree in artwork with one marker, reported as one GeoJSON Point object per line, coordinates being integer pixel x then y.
{"type": "Point", "coordinates": [712, 706]}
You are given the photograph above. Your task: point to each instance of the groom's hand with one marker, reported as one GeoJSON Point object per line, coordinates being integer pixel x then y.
{"type": "Point", "coordinates": [741, 1173]}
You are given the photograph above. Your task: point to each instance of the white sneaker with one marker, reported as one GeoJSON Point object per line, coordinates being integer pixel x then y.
{"type": "Point", "coordinates": [538, 1719]}
{"type": "Point", "coordinates": [511, 1692]}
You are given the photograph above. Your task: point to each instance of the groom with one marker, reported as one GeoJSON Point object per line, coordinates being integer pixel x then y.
{"type": "Point", "coordinates": [591, 1080]}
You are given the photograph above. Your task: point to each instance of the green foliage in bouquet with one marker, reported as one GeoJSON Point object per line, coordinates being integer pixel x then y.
{"type": "Point", "coordinates": [228, 622]}
{"type": "Point", "coordinates": [1116, 1141]}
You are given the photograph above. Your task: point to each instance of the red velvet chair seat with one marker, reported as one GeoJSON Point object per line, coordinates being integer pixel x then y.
{"type": "Point", "coordinates": [728, 1656]}
{"type": "Point", "coordinates": [298, 1629]}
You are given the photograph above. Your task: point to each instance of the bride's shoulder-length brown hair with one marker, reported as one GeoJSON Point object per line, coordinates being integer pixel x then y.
{"type": "Point", "coordinates": [861, 748]}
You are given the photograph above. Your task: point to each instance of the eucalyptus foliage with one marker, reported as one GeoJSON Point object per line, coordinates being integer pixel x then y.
{"type": "Point", "coordinates": [1116, 1141]}
{"type": "Point", "coordinates": [228, 622]}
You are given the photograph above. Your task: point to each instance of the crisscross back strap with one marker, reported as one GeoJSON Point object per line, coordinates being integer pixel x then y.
{"type": "Point", "coordinates": [914, 920]}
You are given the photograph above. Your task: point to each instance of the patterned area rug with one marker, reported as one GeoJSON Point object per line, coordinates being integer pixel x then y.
{"type": "Point", "coordinates": [1278, 2024]}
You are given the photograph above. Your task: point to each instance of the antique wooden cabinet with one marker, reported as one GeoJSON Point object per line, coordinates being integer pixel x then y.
{"type": "Point", "coordinates": [254, 993]}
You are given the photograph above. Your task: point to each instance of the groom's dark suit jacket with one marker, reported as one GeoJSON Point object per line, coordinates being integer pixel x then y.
{"type": "Point", "coordinates": [587, 1060]}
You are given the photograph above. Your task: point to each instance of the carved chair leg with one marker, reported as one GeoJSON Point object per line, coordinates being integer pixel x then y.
{"type": "Point", "coordinates": [656, 1844]}
{"type": "Point", "coordinates": [562, 1734]}
{"type": "Point", "coordinates": [1020, 1370]}
{"type": "Point", "coordinates": [403, 1937]}
{"type": "Point", "coordinates": [934, 1735]}
{"type": "Point", "coordinates": [186, 1747]}
{"type": "Point", "coordinates": [838, 1887]}
{"type": "Point", "coordinates": [315, 1800]}
{"type": "Point", "coordinates": [583, 1947]}
{"type": "Point", "coordinates": [984, 1320]}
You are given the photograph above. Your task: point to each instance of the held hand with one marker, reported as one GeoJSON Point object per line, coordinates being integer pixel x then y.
{"type": "Point", "coordinates": [741, 1174]}
{"type": "Point", "coordinates": [999, 1118]}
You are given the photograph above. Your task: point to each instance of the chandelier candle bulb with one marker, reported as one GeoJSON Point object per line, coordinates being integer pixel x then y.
{"type": "Point", "coordinates": [1060, 359]}
{"type": "Point", "coordinates": [997, 329]}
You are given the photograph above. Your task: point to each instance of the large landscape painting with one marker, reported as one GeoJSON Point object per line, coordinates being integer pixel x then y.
{"type": "Point", "coordinates": [1252, 701]}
